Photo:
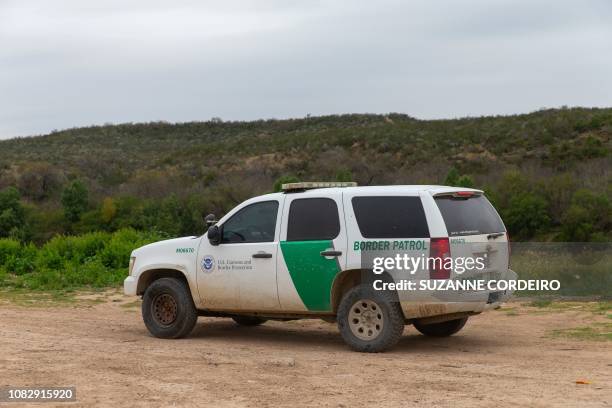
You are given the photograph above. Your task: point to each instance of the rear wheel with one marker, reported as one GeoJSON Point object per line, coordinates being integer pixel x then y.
{"type": "Point", "coordinates": [168, 310]}
{"type": "Point", "coordinates": [249, 320]}
{"type": "Point", "coordinates": [443, 329]}
{"type": "Point", "coordinates": [368, 320]}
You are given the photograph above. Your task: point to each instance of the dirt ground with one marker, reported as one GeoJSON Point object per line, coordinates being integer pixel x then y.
{"type": "Point", "coordinates": [502, 358]}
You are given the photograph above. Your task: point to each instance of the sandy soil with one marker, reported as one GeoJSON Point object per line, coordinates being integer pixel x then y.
{"type": "Point", "coordinates": [499, 359]}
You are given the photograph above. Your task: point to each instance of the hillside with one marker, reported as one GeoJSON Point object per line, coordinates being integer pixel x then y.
{"type": "Point", "coordinates": [210, 166]}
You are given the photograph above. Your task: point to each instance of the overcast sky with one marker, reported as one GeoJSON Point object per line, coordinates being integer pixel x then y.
{"type": "Point", "coordinates": [67, 63]}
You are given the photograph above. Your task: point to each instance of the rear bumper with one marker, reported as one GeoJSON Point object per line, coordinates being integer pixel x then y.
{"type": "Point", "coordinates": [471, 302]}
{"type": "Point", "coordinates": [129, 286]}
{"type": "Point", "coordinates": [415, 310]}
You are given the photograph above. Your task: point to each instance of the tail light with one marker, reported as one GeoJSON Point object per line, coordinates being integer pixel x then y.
{"type": "Point", "coordinates": [439, 252]}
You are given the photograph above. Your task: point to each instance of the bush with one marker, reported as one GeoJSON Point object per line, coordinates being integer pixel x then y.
{"type": "Point", "coordinates": [8, 248]}
{"type": "Point", "coordinates": [451, 177]}
{"type": "Point", "coordinates": [96, 259]}
{"type": "Point", "coordinates": [465, 181]}
{"type": "Point", "coordinates": [454, 179]}
{"type": "Point", "coordinates": [526, 215]}
{"type": "Point", "coordinates": [16, 258]}
{"type": "Point", "coordinates": [278, 184]}
{"type": "Point", "coordinates": [344, 175]}
{"type": "Point", "coordinates": [587, 218]}
{"type": "Point", "coordinates": [116, 254]}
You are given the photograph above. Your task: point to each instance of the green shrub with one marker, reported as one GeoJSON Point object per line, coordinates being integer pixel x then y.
{"type": "Point", "coordinates": [15, 258]}
{"type": "Point", "coordinates": [453, 178]}
{"type": "Point", "coordinates": [278, 184]}
{"type": "Point", "coordinates": [116, 254]}
{"type": "Point", "coordinates": [526, 215]}
{"type": "Point", "coordinates": [344, 175]}
{"type": "Point", "coordinates": [465, 181]}
{"type": "Point", "coordinates": [8, 248]}
{"type": "Point", "coordinates": [587, 218]}
{"type": "Point", "coordinates": [96, 259]}
{"type": "Point", "coordinates": [23, 262]}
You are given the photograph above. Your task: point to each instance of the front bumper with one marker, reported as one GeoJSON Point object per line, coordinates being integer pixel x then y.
{"type": "Point", "coordinates": [130, 284]}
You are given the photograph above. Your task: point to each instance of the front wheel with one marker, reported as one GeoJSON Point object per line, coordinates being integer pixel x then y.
{"type": "Point", "coordinates": [168, 310]}
{"type": "Point", "coordinates": [370, 321]}
{"type": "Point", "coordinates": [443, 329]}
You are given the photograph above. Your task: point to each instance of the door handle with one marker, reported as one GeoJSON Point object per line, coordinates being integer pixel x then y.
{"type": "Point", "coordinates": [331, 252]}
{"type": "Point", "coordinates": [262, 255]}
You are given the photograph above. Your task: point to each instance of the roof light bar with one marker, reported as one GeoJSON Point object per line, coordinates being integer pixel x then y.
{"type": "Point", "coordinates": [308, 185]}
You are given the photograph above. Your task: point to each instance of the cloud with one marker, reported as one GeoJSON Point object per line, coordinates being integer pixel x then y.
{"type": "Point", "coordinates": [72, 63]}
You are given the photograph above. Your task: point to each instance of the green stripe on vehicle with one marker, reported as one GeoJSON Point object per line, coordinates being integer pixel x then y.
{"type": "Point", "coordinates": [312, 274]}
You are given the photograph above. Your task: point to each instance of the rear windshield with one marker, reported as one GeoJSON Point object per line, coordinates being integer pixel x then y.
{"type": "Point", "coordinates": [469, 216]}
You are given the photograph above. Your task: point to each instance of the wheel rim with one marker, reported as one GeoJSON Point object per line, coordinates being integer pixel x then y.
{"type": "Point", "coordinates": [164, 309]}
{"type": "Point", "coordinates": [366, 319]}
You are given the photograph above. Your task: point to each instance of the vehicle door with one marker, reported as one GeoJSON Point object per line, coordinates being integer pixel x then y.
{"type": "Point", "coordinates": [240, 272]}
{"type": "Point", "coordinates": [313, 249]}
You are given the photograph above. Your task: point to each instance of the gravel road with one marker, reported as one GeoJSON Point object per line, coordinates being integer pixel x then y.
{"type": "Point", "coordinates": [100, 345]}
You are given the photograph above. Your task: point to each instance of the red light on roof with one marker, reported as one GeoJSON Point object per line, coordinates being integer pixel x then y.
{"type": "Point", "coordinates": [464, 193]}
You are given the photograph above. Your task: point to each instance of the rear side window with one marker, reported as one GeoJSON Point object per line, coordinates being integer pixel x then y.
{"type": "Point", "coordinates": [390, 217]}
{"type": "Point", "coordinates": [313, 219]}
{"type": "Point", "coordinates": [469, 216]}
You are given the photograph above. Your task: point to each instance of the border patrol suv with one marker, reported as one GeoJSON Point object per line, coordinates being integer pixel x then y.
{"type": "Point", "coordinates": [300, 254]}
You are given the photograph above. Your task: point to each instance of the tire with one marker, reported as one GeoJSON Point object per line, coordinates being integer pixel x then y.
{"type": "Point", "coordinates": [168, 310]}
{"type": "Point", "coordinates": [443, 329]}
{"type": "Point", "coordinates": [376, 331]}
{"type": "Point", "coordinates": [249, 320]}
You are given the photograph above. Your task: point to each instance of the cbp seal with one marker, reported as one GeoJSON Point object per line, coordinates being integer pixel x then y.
{"type": "Point", "coordinates": [208, 263]}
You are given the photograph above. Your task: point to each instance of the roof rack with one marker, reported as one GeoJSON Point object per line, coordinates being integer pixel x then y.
{"type": "Point", "coordinates": [309, 185]}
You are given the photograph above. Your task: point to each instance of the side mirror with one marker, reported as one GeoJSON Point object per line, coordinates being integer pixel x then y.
{"type": "Point", "coordinates": [214, 235]}
{"type": "Point", "coordinates": [210, 219]}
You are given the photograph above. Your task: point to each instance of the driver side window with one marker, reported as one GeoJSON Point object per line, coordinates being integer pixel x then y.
{"type": "Point", "coordinates": [253, 223]}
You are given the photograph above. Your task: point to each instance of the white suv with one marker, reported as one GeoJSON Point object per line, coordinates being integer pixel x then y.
{"type": "Point", "coordinates": [306, 253]}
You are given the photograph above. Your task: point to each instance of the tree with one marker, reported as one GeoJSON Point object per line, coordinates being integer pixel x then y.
{"type": "Point", "coordinates": [526, 215]}
{"type": "Point", "coordinates": [278, 184]}
{"type": "Point", "coordinates": [344, 175]}
{"type": "Point", "coordinates": [453, 178]}
{"type": "Point", "coordinates": [75, 199]}
{"type": "Point", "coordinates": [108, 210]}
{"type": "Point", "coordinates": [12, 213]}
{"type": "Point", "coordinates": [38, 181]}
{"type": "Point", "coordinates": [465, 181]}
{"type": "Point", "coordinates": [587, 218]}
{"type": "Point", "coordinates": [513, 184]}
